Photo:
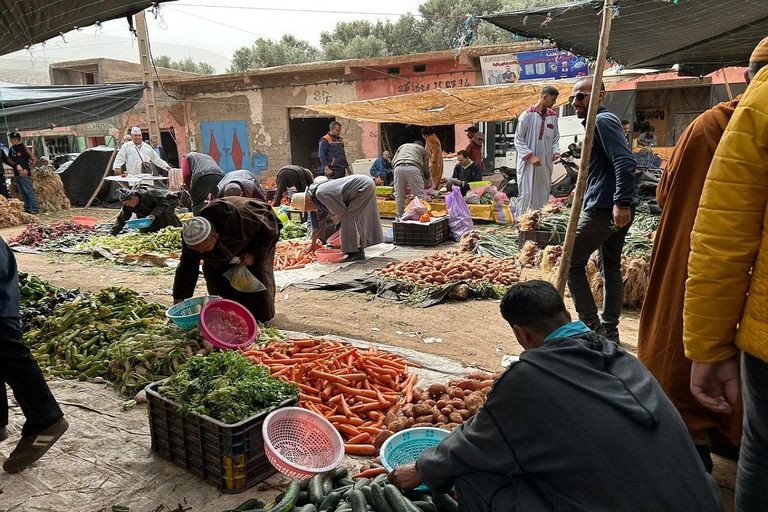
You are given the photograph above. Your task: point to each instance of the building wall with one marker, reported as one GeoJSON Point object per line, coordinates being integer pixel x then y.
{"type": "Point", "coordinates": [436, 75]}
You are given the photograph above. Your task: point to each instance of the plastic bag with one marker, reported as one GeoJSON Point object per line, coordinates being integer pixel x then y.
{"type": "Point", "coordinates": [459, 218]}
{"type": "Point", "coordinates": [243, 280]}
{"type": "Point", "coordinates": [415, 210]}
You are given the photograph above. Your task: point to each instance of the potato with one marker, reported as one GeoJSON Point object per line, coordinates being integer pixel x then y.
{"type": "Point", "coordinates": [455, 417]}
{"type": "Point", "coordinates": [474, 385]}
{"type": "Point", "coordinates": [452, 426]}
{"type": "Point", "coordinates": [456, 392]}
{"type": "Point", "coordinates": [417, 391]}
{"type": "Point", "coordinates": [425, 396]}
{"type": "Point", "coordinates": [444, 396]}
{"type": "Point", "coordinates": [421, 409]}
{"type": "Point", "coordinates": [437, 389]}
{"type": "Point", "coordinates": [485, 390]}
{"type": "Point", "coordinates": [430, 402]}
{"type": "Point", "coordinates": [407, 411]}
{"type": "Point", "coordinates": [442, 419]}
{"type": "Point", "coordinates": [467, 392]}
{"type": "Point", "coordinates": [486, 383]}
{"type": "Point", "coordinates": [442, 403]}
{"type": "Point", "coordinates": [383, 436]}
{"type": "Point", "coordinates": [474, 402]}
{"type": "Point", "coordinates": [458, 403]}
{"type": "Point", "coordinates": [409, 422]}
{"type": "Point", "coordinates": [447, 410]}
{"type": "Point", "coordinates": [464, 414]}
{"type": "Point", "coordinates": [427, 418]}
{"type": "Point", "coordinates": [389, 418]}
{"type": "Point", "coordinates": [423, 425]}
{"type": "Point", "coordinates": [399, 424]}
{"type": "Point", "coordinates": [480, 376]}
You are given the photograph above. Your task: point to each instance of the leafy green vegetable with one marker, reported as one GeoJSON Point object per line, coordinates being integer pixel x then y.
{"type": "Point", "coordinates": [293, 229]}
{"type": "Point", "coordinates": [226, 386]}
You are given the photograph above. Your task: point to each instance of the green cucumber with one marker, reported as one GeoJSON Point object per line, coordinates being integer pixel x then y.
{"type": "Point", "coordinates": [397, 501]}
{"type": "Point", "coordinates": [380, 478]}
{"type": "Point", "coordinates": [289, 500]}
{"type": "Point", "coordinates": [250, 504]}
{"type": "Point", "coordinates": [330, 502]}
{"type": "Point", "coordinates": [379, 501]}
{"type": "Point", "coordinates": [303, 498]}
{"type": "Point", "coordinates": [339, 473]}
{"type": "Point", "coordinates": [367, 492]}
{"type": "Point", "coordinates": [327, 485]}
{"type": "Point", "coordinates": [345, 481]}
{"type": "Point", "coordinates": [316, 494]}
{"type": "Point", "coordinates": [306, 508]}
{"type": "Point", "coordinates": [445, 503]}
{"type": "Point", "coordinates": [357, 500]}
{"type": "Point", "coordinates": [425, 506]}
{"type": "Point", "coordinates": [362, 482]}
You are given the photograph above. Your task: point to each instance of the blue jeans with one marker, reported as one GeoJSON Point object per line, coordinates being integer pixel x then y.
{"type": "Point", "coordinates": [596, 232]}
{"type": "Point", "coordinates": [27, 193]}
{"type": "Point", "coordinates": [752, 477]}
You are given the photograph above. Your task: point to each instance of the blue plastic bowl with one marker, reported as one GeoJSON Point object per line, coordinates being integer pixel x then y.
{"type": "Point", "coordinates": [405, 446]}
{"type": "Point", "coordinates": [186, 314]}
{"type": "Point", "coordinates": [139, 223]}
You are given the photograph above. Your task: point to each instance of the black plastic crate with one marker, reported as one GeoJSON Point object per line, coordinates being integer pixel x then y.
{"type": "Point", "coordinates": [541, 237]}
{"type": "Point", "coordinates": [410, 233]}
{"type": "Point", "coordinates": [229, 456]}
{"type": "Point", "coordinates": [648, 160]}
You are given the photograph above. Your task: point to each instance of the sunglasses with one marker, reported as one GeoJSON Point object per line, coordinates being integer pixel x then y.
{"type": "Point", "coordinates": [579, 96]}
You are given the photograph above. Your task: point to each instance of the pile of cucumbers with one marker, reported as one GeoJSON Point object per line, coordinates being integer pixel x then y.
{"type": "Point", "coordinates": [338, 493]}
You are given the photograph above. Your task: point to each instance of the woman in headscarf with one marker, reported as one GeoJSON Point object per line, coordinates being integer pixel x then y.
{"type": "Point", "coordinates": [349, 201]}
{"type": "Point", "coordinates": [157, 204]}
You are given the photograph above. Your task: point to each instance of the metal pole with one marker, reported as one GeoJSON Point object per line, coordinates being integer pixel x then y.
{"type": "Point", "coordinates": [581, 182]}
{"type": "Point", "coordinates": [141, 31]}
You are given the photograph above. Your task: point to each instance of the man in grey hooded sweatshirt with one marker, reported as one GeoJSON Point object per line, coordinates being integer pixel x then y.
{"type": "Point", "coordinates": [577, 424]}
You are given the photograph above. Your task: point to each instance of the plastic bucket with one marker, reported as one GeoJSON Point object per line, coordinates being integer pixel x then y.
{"type": "Point", "coordinates": [228, 324]}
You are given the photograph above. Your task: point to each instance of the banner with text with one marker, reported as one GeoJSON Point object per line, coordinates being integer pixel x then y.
{"type": "Point", "coordinates": [538, 65]}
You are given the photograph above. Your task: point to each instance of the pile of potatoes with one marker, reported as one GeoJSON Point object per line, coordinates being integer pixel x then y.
{"type": "Point", "coordinates": [443, 406]}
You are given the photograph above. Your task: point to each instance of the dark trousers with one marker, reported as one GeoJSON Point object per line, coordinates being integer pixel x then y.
{"type": "Point", "coordinates": [338, 172]}
{"type": "Point", "coordinates": [208, 184]}
{"type": "Point", "coordinates": [20, 371]}
{"type": "Point", "coordinates": [752, 476]}
{"type": "Point", "coordinates": [24, 183]}
{"type": "Point", "coordinates": [4, 187]}
{"type": "Point", "coordinates": [260, 304]}
{"type": "Point", "coordinates": [596, 232]}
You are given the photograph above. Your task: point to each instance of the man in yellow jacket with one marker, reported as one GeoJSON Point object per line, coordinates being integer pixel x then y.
{"type": "Point", "coordinates": [726, 295]}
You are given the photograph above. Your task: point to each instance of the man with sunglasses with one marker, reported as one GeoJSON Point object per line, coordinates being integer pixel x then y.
{"type": "Point", "coordinates": [608, 210]}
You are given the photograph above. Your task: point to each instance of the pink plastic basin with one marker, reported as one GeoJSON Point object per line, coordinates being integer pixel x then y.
{"type": "Point", "coordinates": [228, 324]}
{"type": "Point", "coordinates": [329, 256]}
{"type": "Point", "coordinates": [86, 221]}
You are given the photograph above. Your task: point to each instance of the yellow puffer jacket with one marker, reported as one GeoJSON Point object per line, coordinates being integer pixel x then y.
{"type": "Point", "coordinates": [726, 295]}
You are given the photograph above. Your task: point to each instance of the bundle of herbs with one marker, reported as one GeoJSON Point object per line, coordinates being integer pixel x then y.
{"type": "Point", "coordinates": [499, 243]}
{"type": "Point", "coordinates": [227, 387]}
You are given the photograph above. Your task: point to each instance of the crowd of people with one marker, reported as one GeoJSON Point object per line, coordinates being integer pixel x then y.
{"type": "Point", "coordinates": [577, 423]}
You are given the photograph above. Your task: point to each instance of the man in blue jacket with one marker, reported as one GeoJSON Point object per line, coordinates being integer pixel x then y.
{"type": "Point", "coordinates": [331, 152]}
{"type": "Point", "coordinates": [608, 210]}
{"type": "Point", "coordinates": [381, 170]}
{"type": "Point", "coordinates": [45, 422]}
{"type": "Point", "coordinates": [577, 424]}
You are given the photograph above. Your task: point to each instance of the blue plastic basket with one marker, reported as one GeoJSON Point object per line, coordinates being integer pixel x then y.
{"type": "Point", "coordinates": [405, 446]}
{"type": "Point", "coordinates": [183, 314]}
{"type": "Point", "coordinates": [139, 223]}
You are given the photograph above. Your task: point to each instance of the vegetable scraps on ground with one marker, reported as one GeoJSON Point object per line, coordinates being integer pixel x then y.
{"type": "Point", "coordinates": [227, 387]}
{"type": "Point", "coordinates": [354, 389]}
{"type": "Point", "coordinates": [36, 234]}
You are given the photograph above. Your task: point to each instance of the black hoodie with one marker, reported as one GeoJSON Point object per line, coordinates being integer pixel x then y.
{"type": "Point", "coordinates": [577, 425]}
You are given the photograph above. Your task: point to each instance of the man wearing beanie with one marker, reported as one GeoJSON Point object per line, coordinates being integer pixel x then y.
{"type": "Point", "coordinates": [230, 231]}
{"type": "Point", "coordinates": [147, 202]}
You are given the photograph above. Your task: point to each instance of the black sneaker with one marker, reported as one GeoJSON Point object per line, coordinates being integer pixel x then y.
{"type": "Point", "coordinates": [609, 333]}
{"type": "Point", "coordinates": [355, 256]}
{"type": "Point", "coordinates": [31, 448]}
{"type": "Point", "coordinates": [3, 434]}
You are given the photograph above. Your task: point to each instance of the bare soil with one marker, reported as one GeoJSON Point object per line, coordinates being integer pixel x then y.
{"type": "Point", "coordinates": [471, 332]}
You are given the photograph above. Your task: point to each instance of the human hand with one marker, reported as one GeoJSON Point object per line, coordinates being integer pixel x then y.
{"type": "Point", "coordinates": [405, 478]}
{"type": "Point", "coordinates": [556, 157]}
{"type": "Point", "coordinates": [716, 385]}
{"type": "Point", "coordinates": [117, 172]}
{"type": "Point", "coordinates": [622, 216]}
{"type": "Point", "coordinates": [535, 161]}
{"type": "Point", "coordinates": [247, 259]}
{"type": "Point", "coordinates": [150, 216]}
{"type": "Point", "coordinates": [23, 172]}
{"type": "Point", "coordinates": [328, 171]}
{"type": "Point", "coordinates": [312, 247]}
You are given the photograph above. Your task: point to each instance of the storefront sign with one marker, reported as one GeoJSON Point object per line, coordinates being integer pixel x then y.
{"type": "Point", "coordinates": [539, 65]}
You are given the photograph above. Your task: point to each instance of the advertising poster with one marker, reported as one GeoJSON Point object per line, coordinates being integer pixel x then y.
{"type": "Point", "coordinates": [537, 65]}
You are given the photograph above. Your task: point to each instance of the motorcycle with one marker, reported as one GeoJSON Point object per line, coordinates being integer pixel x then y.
{"type": "Point", "coordinates": [563, 186]}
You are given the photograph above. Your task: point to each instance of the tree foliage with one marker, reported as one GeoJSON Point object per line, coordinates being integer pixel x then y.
{"type": "Point", "coordinates": [436, 27]}
{"type": "Point", "coordinates": [187, 64]}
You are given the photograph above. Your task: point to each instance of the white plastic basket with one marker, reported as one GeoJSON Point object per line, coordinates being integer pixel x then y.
{"type": "Point", "coordinates": [300, 443]}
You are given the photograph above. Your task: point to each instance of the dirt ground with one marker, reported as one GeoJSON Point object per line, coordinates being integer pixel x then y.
{"type": "Point", "coordinates": [472, 333]}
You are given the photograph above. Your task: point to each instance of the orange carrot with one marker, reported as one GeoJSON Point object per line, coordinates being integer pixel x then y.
{"type": "Point", "coordinates": [352, 420]}
{"type": "Point", "coordinates": [359, 449]}
{"type": "Point", "coordinates": [369, 473]}
{"type": "Point", "coordinates": [362, 438]}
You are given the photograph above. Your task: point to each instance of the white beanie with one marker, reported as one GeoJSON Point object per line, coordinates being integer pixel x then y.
{"type": "Point", "coordinates": [135, 130]}
{"type": "Point", "coordinates": [196, 230]}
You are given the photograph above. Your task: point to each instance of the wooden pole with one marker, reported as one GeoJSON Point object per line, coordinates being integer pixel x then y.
{"type": "Point", "coordinates": [727, 85]}
{"type": "Point", "coordinates": [142, 37]}
{"type": "Point", "coordinates": [118, 143]}
{"type": "Point", "coordinates": [581, 182]}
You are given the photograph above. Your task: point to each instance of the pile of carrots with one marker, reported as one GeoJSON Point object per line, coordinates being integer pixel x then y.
{"type": "Point", "coordinates": [354, 389]}
{"type": "Point", "coordinates": [290, 255]}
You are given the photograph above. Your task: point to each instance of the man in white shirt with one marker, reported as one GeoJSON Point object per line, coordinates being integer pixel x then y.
{"type": "Point", "coordinates": [136, 154]}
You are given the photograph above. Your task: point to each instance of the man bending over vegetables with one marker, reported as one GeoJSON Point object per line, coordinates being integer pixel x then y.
{"type": "Point", "coordinates": [228, 232]}
{"type": "Point", "coordinates": [577, 424]}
